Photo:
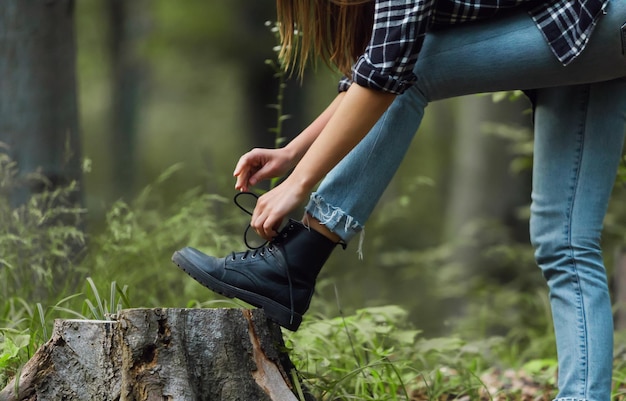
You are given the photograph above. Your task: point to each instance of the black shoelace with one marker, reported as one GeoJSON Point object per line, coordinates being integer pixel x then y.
{"type": "Point", "coordinates": [249, 213]}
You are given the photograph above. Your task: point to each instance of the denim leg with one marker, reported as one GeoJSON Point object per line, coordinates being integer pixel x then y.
{"type": "Point", "coordinates": [499, 54]}
{"type": "Point", "coordinates": [579, 132]}
{"type": "Point", "coordinates": [359, 180]}
{"type": "Point", "coordinates": [577, 152]}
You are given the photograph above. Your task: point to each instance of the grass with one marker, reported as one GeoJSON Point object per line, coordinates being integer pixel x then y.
{"type": "Point", "coordinates": [375, 353]}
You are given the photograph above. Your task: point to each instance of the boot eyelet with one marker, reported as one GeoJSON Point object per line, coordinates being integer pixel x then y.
{"type": "Point", "coordinates": [243, 258]}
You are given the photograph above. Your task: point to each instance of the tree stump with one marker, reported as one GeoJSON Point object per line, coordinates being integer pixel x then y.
{"type": "Point", "coordinates": [160, 354]}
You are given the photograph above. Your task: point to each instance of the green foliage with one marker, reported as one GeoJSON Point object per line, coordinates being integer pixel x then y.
{"type": "Point", "coordinates": [615, 220]}
{"type": "Point", "coordinates": [139, 239]}
{"type": "Point", "coordinates": [39, 263]}
{"type": "Point", "coordinates": [281, 76]}
{"type": "Point", "coordinates": [375, 354]}
{"type": "Point", "coordinates": [39, 240]}
{"type": "Point", "coordinates": [25, 328]}
{"type": "Point", "coordinates": [13, 348]}
{"type": "Point", "coordinates": [482, 283]}
{"type": "Point", "coordinates": [499, 312]}
{"type": "Point", "coordinates": [19, 336]}
{"type": "Point", "coordinates": [355, 357]}
{"type": "Point", "coordinates": [99, 308]}
{"type": "Point", "coordinates": [520, 144]}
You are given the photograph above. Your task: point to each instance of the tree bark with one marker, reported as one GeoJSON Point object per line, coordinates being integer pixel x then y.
{"type": "Point", "coordinates": [160, 354]}
{"type": "Point", "coordinates": [38, 103]}
{"type": "Point", "coordinates": [482, 184]}
{"type": "Point", "coordinates": [128, 25]}
{"type": "Point", "coordinates": [483, 189]}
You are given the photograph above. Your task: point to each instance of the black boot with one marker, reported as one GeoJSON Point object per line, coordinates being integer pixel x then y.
{"type": "Point", "coordinates": [279, 277]}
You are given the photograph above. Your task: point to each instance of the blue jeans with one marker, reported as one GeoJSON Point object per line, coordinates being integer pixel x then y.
{"type": "Point", "coordinates": [580, 121]}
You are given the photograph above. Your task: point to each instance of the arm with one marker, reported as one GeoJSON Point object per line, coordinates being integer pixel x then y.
{"type": "Point", "coordinates": [354, 117]}
{"type": "Point", "coordinates": [383, 71]}
{"type": "Point", "coordinates": [299, 145]}
{"type": "Point", "coordinates": [260, 164]}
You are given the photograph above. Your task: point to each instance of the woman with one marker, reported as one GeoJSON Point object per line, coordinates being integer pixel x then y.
{"type": "Point", "coordinates": [568, 56]}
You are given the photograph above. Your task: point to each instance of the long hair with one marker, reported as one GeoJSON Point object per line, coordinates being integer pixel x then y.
{"type": "Point", "coordinates": [336, 31]}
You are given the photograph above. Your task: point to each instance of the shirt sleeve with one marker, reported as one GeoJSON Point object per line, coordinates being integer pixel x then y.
{"type": "Point", "coordinates": [344, 84]}
{"type": "Point", "coordinates": [397, 37]}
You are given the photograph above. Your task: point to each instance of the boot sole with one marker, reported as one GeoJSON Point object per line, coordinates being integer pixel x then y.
{"type": "Point", "coordinates": [273, 310]}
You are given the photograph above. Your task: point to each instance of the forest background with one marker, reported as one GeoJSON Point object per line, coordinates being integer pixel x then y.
{"type": "Point", "coordinates": [170, 94]}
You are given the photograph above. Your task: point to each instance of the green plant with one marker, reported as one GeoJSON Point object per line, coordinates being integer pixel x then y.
{"type": "Point", "coordinates": [13, 348]}
{"type": "Point", "coordinates": [26, 327]}
{"type": "Point", "coordinates": [357, 356]}
{"type": "Point", "coordinates": [375, 354]}
{"type": "Point", "coordinates": [97, 308]}
{"type": "Point", "coordinates": [281, 75]}
{"type": "Point", "coordinates": [40, 240]}
{"type": "Point", "coordinates": [138, 239]}
{"type": "Point", "coordinates": [18, 340]}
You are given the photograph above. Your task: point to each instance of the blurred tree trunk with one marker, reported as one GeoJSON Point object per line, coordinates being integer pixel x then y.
{"type": "Point", "coordinates": [259, 82]}
{"type": "Point", "coordinates": [485, 195]}
{"type": "Point", "coordinates": [482, 183]}
{"type": "Point", "coordinates": [127, 27]}
{"type": "Point", "coordinates": [39, 126]}
{"type": "Point", "coordinates": [38, 105]}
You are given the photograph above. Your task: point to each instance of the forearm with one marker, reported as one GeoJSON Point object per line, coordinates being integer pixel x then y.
{"type": "Point", "coordinates": [352, 119]}
{"type": "Point", "coordinates": [301, 143]}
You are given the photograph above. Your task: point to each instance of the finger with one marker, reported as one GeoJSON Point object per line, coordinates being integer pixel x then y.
{"type": "Point", "coordinates": [270, 227]}
{"type": "Point", "coordinates": [242, 182]}
{"type": "Point", "coordinates": [267, 231]}
{"type": "Point", "coordinates": [240, 165]}
{"type": "Point", "coordinates": [244, 178]}
{"type": "Point", "coordinates": [261, 174]}
{"type": "Point", "coordinates": [258, 220]}
{"type": "Point", "coordinates": [246, 162]}
{"type": "Point", "coordinates": [241, 187]}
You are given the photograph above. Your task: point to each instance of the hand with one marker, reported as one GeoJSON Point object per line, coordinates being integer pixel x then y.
{"type": "Point", "coordinates": [261, 164]}
{"type": "Point", "coordinates": [272, 207]}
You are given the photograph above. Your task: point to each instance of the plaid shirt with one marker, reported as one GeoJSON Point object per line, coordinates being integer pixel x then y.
{"type": "Point", "coordinates": [401, 25]}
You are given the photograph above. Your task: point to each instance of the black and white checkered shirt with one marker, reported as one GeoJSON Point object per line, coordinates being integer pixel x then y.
{"type": "Point", "coordinates": [401, 25]}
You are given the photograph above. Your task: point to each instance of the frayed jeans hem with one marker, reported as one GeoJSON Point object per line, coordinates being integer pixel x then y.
{"type": "Point", "coordinates": [571, 399]}
{"type": "Point", "coordinates": [336, 220]}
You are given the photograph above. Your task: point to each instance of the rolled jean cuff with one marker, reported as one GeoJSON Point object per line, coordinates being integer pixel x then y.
{"type": "Point", "coordinates": [334, 218]}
